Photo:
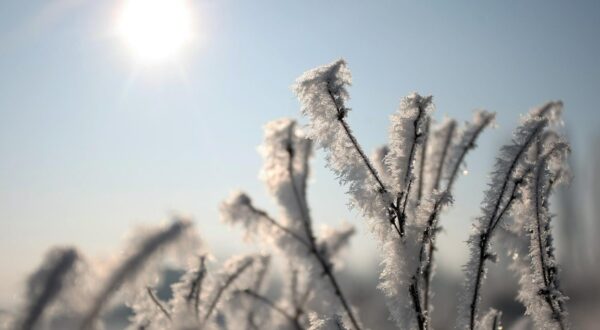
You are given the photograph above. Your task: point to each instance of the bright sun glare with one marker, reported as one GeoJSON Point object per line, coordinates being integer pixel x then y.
{"type": "Point", "coordinates": [155, 30]}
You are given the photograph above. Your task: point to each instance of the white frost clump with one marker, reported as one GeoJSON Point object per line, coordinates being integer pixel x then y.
{"type": "Point", "coordinates": [323, 96]}
{"type": "Point", "coordinates": [238, 209]}
{"type": "Point", "coordinates": [406, 134]}
{"type": "Point", "coordinates": [378, 159]}
{"type": "Point", "coordinates": [550, 110]}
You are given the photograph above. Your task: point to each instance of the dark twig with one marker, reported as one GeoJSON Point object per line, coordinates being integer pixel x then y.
{"type": "Point", "coordinates": [341, 115]}
{"type": "Point", "coordinates": [196, 288]}
{"type": "Point", "coordinates": [228, 281]}
{"type": "Point", "coordinates": [157, 302]}
{"type": "Point", "coordinates": [266, 301]}
{"type": "Point", "coordinates": [416, 301]}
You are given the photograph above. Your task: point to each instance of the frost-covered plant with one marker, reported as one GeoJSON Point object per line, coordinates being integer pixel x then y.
{"type": "Point", "coordinates": [510, 172]}
{"type": "Point", "coordinates": [139, 257]}
{"type": "Point", "coordinates": [286, 153]}
{"type": "Point", "coordinates": [402, 190]}
{"type": "Point", "coordinates": [200, 300]}
{"type": "Point", "coordinates": [539, 284]}
{"type": "Point", "coordinates": [403, 218]}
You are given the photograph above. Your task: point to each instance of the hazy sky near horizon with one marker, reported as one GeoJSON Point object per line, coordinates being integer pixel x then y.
{"type": "Point", "coordinates": [92, 142]}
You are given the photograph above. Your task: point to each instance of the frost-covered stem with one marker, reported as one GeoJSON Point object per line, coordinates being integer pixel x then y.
{"type": "Point", "coordinates": [157, 303]}
{"type": "Point", "coordinates": [470, 145]}
{"type": "Point", "coordinates": [225, 285]}
{"type": "Point", "coordinates": [555, 306]}
{"type": "Point", "coordinates": [426, 255]}
{"type": "Point", "coordinates": [423, 161]}
{"type": "Point", "coordinates": [484, 238]}
{"type": "Point", "coordinates": [432, 228]}
{"type": "Point", "coordinates": [427, 275]}
{"type": "Point", "coordinates": [308, 227]}
{"type": "Point", "coordinates": [286, 230]}
{"type": "Point", "coordinates": [495, 217]}
{"type": "Point", "coordinates": [538, 223]}
{"type": "Point", "coordinates": [447, 141]}
{"type": "Point", "coordinates": [341, 115]}
{"type": "Point", "coordinates": [416, 300]}
{"type": "Point", "coordinates": [196, 288]}
{"type": "Point", "coordinates": [260, 276]}
{"type": "Point", "coordinates": [305, 172]}
{"type": "Point", "coordinates": [409, 175]}
{"type": "Point", "coordinates": [483, 246]}
{"type": "Point", "coordinates": [267, 302]}
{"type": "Point", "coordinates": [338, 292]}
{"type": "Point", "coordinates": [298, 195]}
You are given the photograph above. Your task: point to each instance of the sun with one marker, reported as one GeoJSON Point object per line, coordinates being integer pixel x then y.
{"type": "Point", "coordinates": [155, 30]}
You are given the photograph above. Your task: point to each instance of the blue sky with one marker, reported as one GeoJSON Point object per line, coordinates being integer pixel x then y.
{"type": "Point", "coordinates": [92, 143]}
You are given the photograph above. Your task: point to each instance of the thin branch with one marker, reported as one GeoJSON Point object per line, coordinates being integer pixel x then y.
{"type": "Point", "coordinates": [416, 301]}
{"type": "Point", "coordinates": [286, 230]}
{"type": "Point", "coordinates": [158, 303]}
{"type": "Point", "coordinates": [312, 242]}
{"type": "Point", "coordinates": [225, 285]}
{"type": "Point", "coordinates": [393, 209]}
{"type": "Point", "coordinates": [196, 288]}
{"type": "Point", "coordinates": [423, 270]}
{"type": "Point", "coordinates": [300, 201]}
{"type": "Point", "coordinates": [447, 141]}
{"type": "Point", "coordinates": [554, 305]}
{"type": "Point", "coordinates": [423, 160]}
{"type": "Point", "coordinates": [266, 301]}
{"type": "Point", "coordinates": [341, 114]}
